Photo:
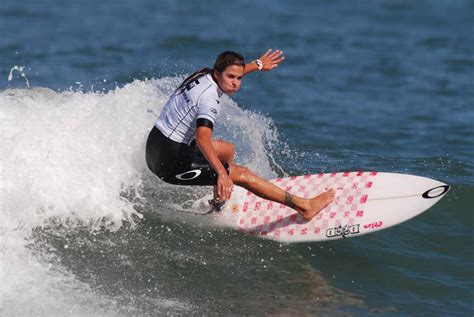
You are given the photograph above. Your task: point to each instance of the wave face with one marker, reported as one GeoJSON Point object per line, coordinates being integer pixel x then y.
{"type": "Point", "coordinates": [75, 160]}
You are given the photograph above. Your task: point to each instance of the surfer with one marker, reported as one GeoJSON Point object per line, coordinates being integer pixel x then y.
{"type": "Point", "coordinates": [180, 149]}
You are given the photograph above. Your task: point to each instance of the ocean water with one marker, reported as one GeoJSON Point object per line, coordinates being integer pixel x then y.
{"type": "Point", "coordinates": [87, 230]}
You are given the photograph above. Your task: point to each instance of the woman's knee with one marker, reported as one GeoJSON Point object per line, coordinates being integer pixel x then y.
{"type": "Point", "coordinates": [230, 151]}
{"type": "Point", "coordinates": [225, 150]}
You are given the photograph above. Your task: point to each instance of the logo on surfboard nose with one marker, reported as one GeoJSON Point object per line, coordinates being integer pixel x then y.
{"type": "Point", "coordinates": [435, 192]}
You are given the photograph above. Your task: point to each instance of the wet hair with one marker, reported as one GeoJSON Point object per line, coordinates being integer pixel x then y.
{"type": "Point", "coordinates": [224, 60]}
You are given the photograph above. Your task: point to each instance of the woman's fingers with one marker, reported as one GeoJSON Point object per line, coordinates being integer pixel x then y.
{"type": "Point", "coordinates": [271, 59]}
{"type": "Point", "coordinates": [272, 55]}
{"type": "Point", "coordinates": [228, 189]}
{"type": "Point", "coordinates": [219, 189]}
{"type": "Point", "coordinates": [275, 54]}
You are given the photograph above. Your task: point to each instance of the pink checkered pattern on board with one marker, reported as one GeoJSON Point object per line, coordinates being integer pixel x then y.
{"type": "Point", "coordinates": [275, 220]}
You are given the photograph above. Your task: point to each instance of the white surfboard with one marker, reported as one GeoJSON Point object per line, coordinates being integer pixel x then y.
{"type": "Point", "coordinates": [365, 202]}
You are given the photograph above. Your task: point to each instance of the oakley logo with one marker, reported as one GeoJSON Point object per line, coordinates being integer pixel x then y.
{"type": "Point", "coordinates": [435, 192]}
{"type": "Point", "coordinates": [189, 175]}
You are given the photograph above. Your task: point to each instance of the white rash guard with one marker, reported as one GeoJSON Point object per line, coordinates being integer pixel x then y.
{"type": "Point", "coordinates": [199, 99]}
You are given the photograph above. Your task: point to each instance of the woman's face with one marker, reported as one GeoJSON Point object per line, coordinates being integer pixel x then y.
{"type": "Point", "coordinates": [230, 79]}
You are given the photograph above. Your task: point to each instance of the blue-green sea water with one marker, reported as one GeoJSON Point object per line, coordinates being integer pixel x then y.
{"type": "Point", "coordinates": [87, 230]}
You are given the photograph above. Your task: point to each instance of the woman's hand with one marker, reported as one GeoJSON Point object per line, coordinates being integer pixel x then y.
{"type": "Point", "coordinates": [224, 186]}
{"type": "Point", "coordinates": [271, 59]}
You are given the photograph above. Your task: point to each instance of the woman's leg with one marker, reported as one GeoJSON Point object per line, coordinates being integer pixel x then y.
{"type": "Point", "coordinates": [308, 208]}
{"type": "Point", "coordinates": [243, 177]}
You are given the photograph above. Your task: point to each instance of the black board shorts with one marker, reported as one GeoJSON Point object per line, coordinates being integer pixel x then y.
{"type": "Point", "coordinates": [178, 163]}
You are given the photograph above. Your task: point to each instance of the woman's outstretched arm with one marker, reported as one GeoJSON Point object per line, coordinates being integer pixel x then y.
{"type": "Point", "coordinates": [270, 60]}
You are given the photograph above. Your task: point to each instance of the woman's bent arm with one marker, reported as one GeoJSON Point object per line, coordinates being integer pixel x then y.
{"type": "Point", "coordinates": [224, 183]}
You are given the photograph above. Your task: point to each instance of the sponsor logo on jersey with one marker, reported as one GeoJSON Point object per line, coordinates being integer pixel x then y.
{"type": "Point", "coordinates": [186, 97]}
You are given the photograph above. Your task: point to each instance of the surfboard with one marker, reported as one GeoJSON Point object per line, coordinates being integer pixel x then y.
{"type": "Point", "coordinates": [365, 202]}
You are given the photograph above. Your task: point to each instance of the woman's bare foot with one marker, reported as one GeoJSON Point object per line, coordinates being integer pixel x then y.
{"type": "Point", "coordinates": [316, 204]}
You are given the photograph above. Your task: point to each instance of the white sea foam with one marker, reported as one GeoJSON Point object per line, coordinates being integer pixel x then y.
{"type": "Point", "coordinates": [21, 70]}
{"type": "Point", "coordinates": [71, 156]}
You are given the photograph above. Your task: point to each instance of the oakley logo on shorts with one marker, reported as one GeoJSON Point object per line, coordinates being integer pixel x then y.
{"type": "Point", "coordinates": [189, 175]}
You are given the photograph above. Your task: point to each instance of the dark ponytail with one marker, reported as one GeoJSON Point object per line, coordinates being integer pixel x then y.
{"type": "Point", "coordinates": [224, 60]}
{"type": "Point", "coordinates": [193, 77]}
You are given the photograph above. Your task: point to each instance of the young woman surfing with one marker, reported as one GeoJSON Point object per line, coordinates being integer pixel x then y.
{"type": "Point", "coordinates": [180, 149]}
